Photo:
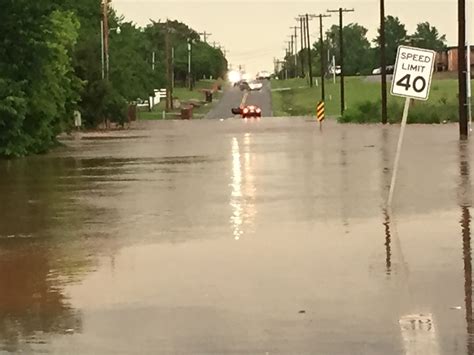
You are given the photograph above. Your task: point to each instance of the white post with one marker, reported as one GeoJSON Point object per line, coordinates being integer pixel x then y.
{"type": "Point", "coordinates": [334, 68]}
{"type": "Point", "coordinates": [468, 58]}
{"type": "Point", "coordinates": [102, 47]}
{"type": "Point", "coordinates": [399, 149]}
{"type": "Point", "coordinates": [189, 65]}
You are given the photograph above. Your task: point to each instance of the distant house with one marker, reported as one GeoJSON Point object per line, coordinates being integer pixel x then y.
{"type": "Point", "coordinates": [447, 60]}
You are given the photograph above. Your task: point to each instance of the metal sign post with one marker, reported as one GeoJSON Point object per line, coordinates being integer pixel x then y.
{"type": "Point", "coordinates": [411, 79]}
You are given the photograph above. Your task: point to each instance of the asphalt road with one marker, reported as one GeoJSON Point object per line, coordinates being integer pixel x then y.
{"type": "Point", "coordinates": [233, 97]}
{"type": "Point", "coordinates": [239, 237]}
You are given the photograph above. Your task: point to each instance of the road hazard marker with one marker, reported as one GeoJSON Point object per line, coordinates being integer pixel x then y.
{"type": "Point", "coordinates": [321, 112]}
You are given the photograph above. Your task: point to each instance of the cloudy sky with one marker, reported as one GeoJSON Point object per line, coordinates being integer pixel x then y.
{"type": "Point", "coordinates": [254, 32]}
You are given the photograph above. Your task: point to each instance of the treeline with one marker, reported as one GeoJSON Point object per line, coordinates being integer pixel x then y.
{"type": "Point", "coordinates": [50, 66]}
{"type": "Point", "coordinates": [361, 55]}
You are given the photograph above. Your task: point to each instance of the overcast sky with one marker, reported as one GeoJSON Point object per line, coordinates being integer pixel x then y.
{"type": "Point", "coordinates": [254, 32]}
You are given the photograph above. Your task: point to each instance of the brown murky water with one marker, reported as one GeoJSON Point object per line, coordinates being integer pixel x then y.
{"type": "Point", "coordinates": [239, 237]}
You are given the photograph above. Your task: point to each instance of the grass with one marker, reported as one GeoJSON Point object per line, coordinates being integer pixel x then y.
{"type": "Point", "coordinates": [183, 94]}
{"type": "Point", "coordinates": [301, 100]}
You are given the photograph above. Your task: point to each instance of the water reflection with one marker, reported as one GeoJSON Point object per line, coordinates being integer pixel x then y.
{"type": "Point", "coordinates": [243, 187]}
{"type": "Point", "coordinates": [465, 202]}
{"type": "Point", "coordinates": [345, 179]}
{"type": "Point", "coordinates": [385, 182]}
{"type": "Point", "coordinates": [236, 219]}
{"type": "Point", "coordinates": [388, 244]}
{"type": "Point", "coordinates": [40, 250]}
{"type": "Point", "coordinates": [32, 303]}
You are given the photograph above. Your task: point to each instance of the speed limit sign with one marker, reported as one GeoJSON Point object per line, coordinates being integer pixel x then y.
{"type": "Point", "coordinates": [413, 72]}
{"type": "Point", "coordinates": [412, 80]}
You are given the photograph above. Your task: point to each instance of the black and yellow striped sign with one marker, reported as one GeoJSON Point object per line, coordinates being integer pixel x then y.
{"type": "Point", "coordinates": [320, 112]}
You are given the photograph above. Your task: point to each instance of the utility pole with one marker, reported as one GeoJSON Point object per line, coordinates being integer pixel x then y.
{"type": "Point", "coordinates": [296, 49]}
{"type": "Point", "coordinates": [172, 68]}
{"type": "Point", "coordinates": [292, 52]}
{"type": "Point", "coordinates": [205, 35]}
{"type": "Point", "coordinates": [300, 19]}
{"type": "Point", "coordinates": [462, 79]}
{"type": "Point", "coordinates": [169, 88]}
{"type": "Point", "coordinates": [468, 71]}
{"type": "Point", "coordinates": [153, 60]}
{"type": "Point", "coordinates": [321, 49]}
{"type": "Point", "coordinates": [308, 41]}
{"type": "Point", "coordinates": [102, 33]}
{"type": "Point", "coordinates": [341, 49]}
{"type": "Point", "coordinates": [105, 12]}
{"type": "Point", "coordinates": [383, 61]}
{"type": "Point", "coordinates": [291, 45]}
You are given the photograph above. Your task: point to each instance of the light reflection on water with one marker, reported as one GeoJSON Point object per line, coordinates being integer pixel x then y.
{"type": "Point", "coordinates": [236, 200]}
{"type": "Point", "coordinates": [243, 188]}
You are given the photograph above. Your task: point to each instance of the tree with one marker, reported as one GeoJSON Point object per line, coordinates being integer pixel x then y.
{"type": "Point", "coordinates": [428, 37]}
{"type": "Point", "coordinates": [38, 87]}
{"type": "Point", "coordinates": [395, 35]}
{"type": "Point", "coordinates": [357, 57]}
{"type": "Point", "coordinates": [50, 65]}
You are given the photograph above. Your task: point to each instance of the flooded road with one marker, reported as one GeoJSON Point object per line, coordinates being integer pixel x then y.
{"type": "Point", "coordinates": [239, 237]}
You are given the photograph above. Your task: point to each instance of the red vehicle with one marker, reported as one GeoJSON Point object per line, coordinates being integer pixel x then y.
{"type": "Point", "coordinates": [249, 111]}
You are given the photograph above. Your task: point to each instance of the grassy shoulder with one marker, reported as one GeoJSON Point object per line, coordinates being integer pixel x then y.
{"type": "Point", "coordinates": [294, 97]}
{"type": "Point", "coordinates": [184, 95]}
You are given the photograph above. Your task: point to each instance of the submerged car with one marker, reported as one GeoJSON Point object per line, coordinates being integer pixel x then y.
{"type": "Point", "coordinates": [249, 111]}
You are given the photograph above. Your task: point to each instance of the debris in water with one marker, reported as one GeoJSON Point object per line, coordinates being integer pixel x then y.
{"type": "Point", "coordinates": [302, 312]}
{"type": "Point", "coordinates": [457, 308]}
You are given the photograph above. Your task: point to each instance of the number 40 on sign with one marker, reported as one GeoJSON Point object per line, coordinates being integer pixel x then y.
{"type": "Point", "coordinates": [413, 72]}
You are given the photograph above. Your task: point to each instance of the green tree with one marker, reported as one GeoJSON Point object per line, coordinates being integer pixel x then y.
{"type": "Point", "coordinates": [395, 35]}
{"type": "Point", "coordinates": [357, 58]}
{"type": "Point", "coordinates": [38, 86]}
{"type": "Point", "coordinates": [428, 37]}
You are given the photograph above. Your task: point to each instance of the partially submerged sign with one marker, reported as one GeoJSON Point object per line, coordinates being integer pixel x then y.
{"type": "Point", "coordinates": [413, 72]}
{"type": "Point", "coordinates": [412, 80]}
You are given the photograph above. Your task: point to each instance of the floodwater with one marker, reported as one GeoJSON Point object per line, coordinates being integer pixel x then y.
{"type": "Point", "coordinates": [239, 237]}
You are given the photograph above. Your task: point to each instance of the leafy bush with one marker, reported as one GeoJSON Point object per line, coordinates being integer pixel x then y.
{"type": "Point", "coordinates": [365, 112]}
{"type": "Point", "coordinates": [115, 108]}
{"type": "Point", "coordinates": [420, 112]}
